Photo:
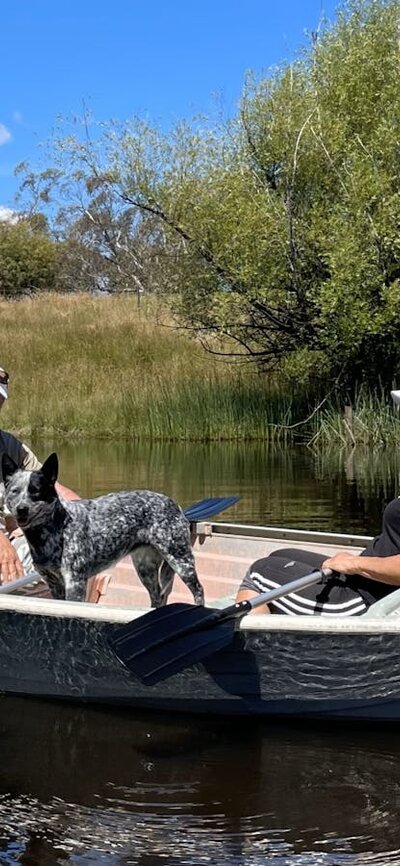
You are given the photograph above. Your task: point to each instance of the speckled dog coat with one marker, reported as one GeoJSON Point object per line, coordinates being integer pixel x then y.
{"type": "Point", "coordinates": [70, 541]}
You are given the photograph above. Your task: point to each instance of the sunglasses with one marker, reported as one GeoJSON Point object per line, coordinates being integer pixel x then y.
{"type": "Point", "coordinates": [4, 377]}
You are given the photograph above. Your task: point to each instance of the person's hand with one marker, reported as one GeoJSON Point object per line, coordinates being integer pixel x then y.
{"type": "Point", "coordinates": [343, 562]}
{"type": "Point", "coordinates": [10, 564]}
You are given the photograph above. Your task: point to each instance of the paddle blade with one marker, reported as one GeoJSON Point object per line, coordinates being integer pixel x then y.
{"type": "Point", "coordinates": [161, 625]}
{"type": "Point", "coordinates": [168, 639]}
{"type": "Point", "coordinates": [171, 658]}
{"type": "Point", "coordinates": [208, 507]}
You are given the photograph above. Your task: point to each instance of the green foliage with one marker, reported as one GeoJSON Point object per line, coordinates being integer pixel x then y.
{"type": "Point", "coordinates": [275, 236]}
{"type": "Point", "coordinates": [27, 258]}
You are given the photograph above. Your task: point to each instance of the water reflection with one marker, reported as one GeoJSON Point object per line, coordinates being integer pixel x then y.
{"type": "Point", "coordinates": [87, 786]}
{"type": "Point", "coordinates": [341, 491]}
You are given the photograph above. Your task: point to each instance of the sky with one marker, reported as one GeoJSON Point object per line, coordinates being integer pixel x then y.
{"type": "Point", "coordinates": [160, 60]}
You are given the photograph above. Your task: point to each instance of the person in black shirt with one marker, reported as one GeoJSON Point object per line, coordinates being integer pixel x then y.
{"type": "Point", "coordinates": [15, 556]}
{"type": "Point", "coordinates": [358, 580]}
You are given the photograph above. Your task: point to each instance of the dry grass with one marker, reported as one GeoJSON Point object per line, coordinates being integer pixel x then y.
{"type": "Point", "coordinates": [99, 366]}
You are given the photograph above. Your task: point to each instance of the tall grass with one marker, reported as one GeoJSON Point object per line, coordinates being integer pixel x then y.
{"type": "Point", "coordinates": [83, 366]}
{"type": "Point", "coordinates": [100, 367]}
{"type": "Point", "coordinates": [373, 422]}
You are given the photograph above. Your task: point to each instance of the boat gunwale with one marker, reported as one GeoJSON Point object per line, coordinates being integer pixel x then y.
{"type": "Point", "coordinates": [243, 530]}
{"type": "Point", "coordinates": [251, 623]}
{"type": "Point", "coordinates": [90, 612]}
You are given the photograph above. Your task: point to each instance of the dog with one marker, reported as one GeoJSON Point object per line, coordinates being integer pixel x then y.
{"type": "Point", "coordinates": [70, 541]}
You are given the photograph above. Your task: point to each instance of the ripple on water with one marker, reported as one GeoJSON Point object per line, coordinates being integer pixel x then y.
{"type": "Point", "coordinates": [89, 786]}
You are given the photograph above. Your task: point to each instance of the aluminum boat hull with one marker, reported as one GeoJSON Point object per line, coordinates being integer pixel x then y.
{"type": "Point", "coordinates": [282, 666]}
{"type": "Point", "coordinates": [325, 667]}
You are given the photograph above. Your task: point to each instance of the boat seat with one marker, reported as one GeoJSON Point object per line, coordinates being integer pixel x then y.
{"type": "Point", "coordinates": [387, 606]}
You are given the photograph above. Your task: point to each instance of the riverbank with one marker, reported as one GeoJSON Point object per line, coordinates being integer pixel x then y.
{"type": "Point", "coordinates": [85, 366]}
{"type": "Point", "coordinates": [104, 367]}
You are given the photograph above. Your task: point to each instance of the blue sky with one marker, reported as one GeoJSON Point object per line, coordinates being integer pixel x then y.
{"type": "Point", "coordinates": [161, 60]}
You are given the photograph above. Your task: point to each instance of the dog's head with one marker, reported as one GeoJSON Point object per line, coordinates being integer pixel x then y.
{"type": "Point", "coordinates": [30, 495]}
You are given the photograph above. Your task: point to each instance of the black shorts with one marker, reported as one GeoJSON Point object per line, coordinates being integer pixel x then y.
{"type": "Point", "coordinates": [335, 597]}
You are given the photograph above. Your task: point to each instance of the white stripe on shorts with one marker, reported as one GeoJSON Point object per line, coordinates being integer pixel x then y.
{"type": "Point", "coordinates": [297, 610]}
{"type": "Point", "coordinates": [295, 604]}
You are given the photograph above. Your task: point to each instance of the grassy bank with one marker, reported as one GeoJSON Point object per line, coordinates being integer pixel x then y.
{"type": "Point", "coordinates": [100, 367]}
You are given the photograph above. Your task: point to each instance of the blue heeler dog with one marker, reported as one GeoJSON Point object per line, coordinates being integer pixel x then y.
{"type": "Point", "coordinates": [70, 541]}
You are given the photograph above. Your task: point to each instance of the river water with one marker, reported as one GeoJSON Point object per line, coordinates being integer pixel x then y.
{"type": "Point", "coordinates": [92, 786]}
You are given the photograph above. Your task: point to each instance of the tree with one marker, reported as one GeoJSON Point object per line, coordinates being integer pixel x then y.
{"type": "Point", "coordinates": [276, 236]}
{"type": "Point", "coordinates": [27, 258]}
{"type": "Point", "coordinates": [101, 242]}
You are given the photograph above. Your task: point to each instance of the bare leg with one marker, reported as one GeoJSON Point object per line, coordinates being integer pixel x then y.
{"type": "Point", "coordinates": [244, 594]}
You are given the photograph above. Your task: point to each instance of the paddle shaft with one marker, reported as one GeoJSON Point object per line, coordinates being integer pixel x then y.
{"type": "Point", "coordinates": [21, 581]}
{"type": "Point", "coordinates": [294, 585]}
{"type": "Point", "coordinates": [204, 618]}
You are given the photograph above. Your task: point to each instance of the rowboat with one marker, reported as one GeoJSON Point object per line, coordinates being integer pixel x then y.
{"type": "Point", "coordinates": [277, 666]}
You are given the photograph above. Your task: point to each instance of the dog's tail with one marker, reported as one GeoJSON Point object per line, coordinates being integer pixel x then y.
{"type": "Point", "coordinates": [198, 511]}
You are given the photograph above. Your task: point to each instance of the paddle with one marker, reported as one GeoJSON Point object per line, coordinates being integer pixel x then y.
{"type": "Point", "coordinates": [208, 507]}
{"type": "Point", "coordinates": [168, 639]}
{"type": "Point", "coordinates": [31, 577]}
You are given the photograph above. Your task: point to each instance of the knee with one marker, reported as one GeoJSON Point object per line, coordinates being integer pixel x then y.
{"type": "Point", "coordinates": [247, 594]}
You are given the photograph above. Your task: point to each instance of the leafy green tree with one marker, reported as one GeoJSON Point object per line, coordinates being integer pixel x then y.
{"type": "Point", "coordinates": [275, 235]}
{"type": "Point", "coordinates": [27, 258]}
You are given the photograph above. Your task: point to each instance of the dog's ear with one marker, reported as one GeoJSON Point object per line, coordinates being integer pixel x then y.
{"type": "Point", "coordinates": [50, 468]}
{"type": "Point", "coordinates": [8, 467]}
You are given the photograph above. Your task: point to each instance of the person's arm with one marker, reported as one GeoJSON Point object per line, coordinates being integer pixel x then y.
{"type": "Point", "coordinates": [385, 569]}
{"type": "Point", "coordinates": [66, 492]}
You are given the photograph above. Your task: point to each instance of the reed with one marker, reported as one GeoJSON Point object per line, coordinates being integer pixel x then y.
{"type": "Point", "coordinates": [373, 422]}
{"type": "Point", "coordinates": [85, 366]}
{"type": "Point", "coordinates": [97, 367]}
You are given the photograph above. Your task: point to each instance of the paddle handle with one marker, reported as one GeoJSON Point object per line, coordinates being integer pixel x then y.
{"type": "Point", "coordinates": [242, 607]}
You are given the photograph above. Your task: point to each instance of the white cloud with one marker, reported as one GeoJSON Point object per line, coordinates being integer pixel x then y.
{"type": "Point", "coordinates": [5, 134]}
{"type": "Point", "coordinates": [7, 215]}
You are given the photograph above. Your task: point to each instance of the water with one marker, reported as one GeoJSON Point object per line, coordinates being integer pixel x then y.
{"type": "Point", "coordinates": [91, 786]}
{"type": "Point", "coordinates": [340, 492]}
